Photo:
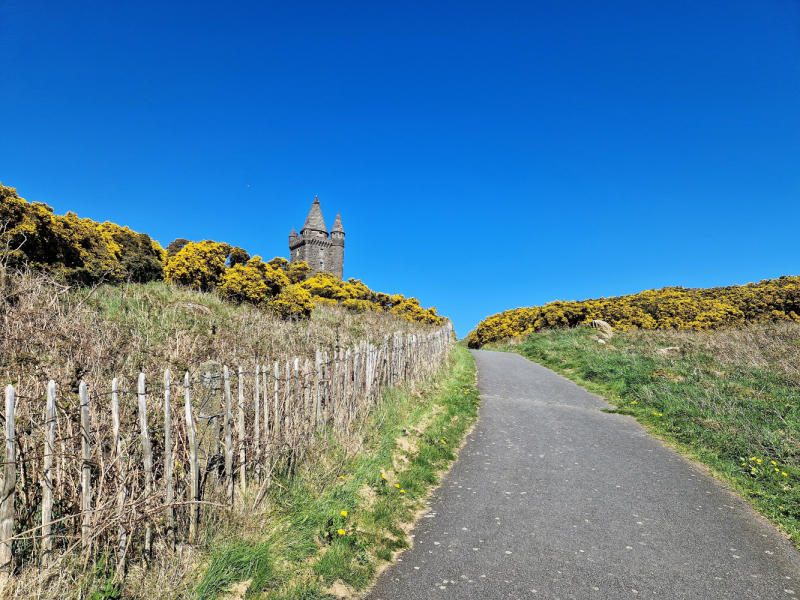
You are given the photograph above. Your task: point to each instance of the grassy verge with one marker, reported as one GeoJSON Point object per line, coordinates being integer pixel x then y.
{"type": "Point", "coordinates": [330, 527]}
{"type": "Point", "coordinates": [726, 399]}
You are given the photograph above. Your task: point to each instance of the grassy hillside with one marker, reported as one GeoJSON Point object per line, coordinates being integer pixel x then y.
{"type": "Point", "coordinates": [288, 544]}
{"type": "Point", "coordinates": [50, 331]}
{"type": "Point", "coordinates": [727, 398]}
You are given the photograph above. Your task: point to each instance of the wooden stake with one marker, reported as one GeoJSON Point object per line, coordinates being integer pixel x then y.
{"type": "Point", "coordinates": [168, 459]}
{"type": "Point", "coordinates": [228, 440]}
{"type": "Point", "coordinates": [191, 431]}
{"type": "Point", "coordinates": [86, 468]}
{"type": "Point", "coordinates": [242, 454]}
{"type": "Point", "coordinates": [47, 473]}
{"type": "Point", "coordinates": [9, 485]}
{"type": "Point", "coordinates": [257, 424]}
{"type": "Point", "coordinates": [147, 460]}
{"type": "Point", "coordinates": [122, 535]}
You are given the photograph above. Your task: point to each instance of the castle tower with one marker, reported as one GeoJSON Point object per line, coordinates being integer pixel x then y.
{"type": "Point", "coordinates": [313, 245]}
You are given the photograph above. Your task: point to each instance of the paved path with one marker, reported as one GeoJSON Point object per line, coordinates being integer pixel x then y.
{"type": "Point", "coordinates": [551, 498]}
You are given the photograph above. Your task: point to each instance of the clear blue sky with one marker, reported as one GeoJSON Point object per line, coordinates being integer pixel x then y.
{"type": "Point", "coordinates": [484, 155]}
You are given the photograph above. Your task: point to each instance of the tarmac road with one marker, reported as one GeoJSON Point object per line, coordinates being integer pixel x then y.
{"type": "Point", "coordinates": [552, 498]}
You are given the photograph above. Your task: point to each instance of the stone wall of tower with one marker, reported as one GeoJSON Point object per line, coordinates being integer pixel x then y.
{"type": "Point", "coordinates": [321, 254]}
{"type": "Point", "coordinates": [323, 251]}
{"type": "Point", "coordinates": [337, 258]}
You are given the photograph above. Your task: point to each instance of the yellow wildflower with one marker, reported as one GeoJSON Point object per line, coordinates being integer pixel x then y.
{"type": "Point", "coordinates": [397, 485]}
{"type": "Point", "coordinates": [344, 513]}
{"type": "Point", "coordinates": [402, 491]}
{"type": "Point", "coordinates": [340, 532]}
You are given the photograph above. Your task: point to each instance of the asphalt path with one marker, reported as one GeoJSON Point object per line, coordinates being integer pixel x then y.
{"type": "Point", "coordinates": [553, 498]}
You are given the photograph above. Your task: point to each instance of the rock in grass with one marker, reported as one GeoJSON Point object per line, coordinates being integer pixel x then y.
{"type": "Point", "coordinates": [668, 351]}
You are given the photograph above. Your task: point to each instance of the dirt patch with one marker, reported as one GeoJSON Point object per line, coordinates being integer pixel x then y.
{"type": "Point", "coordinates": [406, 445]}
{"type": "Point", "coordinates": [238, 590]}
{"type": "Point", "coordinates": [340, 590]}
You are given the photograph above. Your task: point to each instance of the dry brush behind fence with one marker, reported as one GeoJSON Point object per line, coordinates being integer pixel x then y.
{"type": "Point", "coordinates": [116, 471]}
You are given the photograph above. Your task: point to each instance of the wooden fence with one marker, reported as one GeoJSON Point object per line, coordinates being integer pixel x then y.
{"type": "Point", "coordinates": [119, 470]}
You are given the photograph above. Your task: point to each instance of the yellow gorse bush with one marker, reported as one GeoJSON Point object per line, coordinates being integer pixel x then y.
{"type": "Point", "coordinates": [77, 250]}
{"type": "Point", "coordinates": [85, 252]}
{"type": "Point", "coordinates": [328, 290]}
{"type": "Point", "coordinates": [667, 308]}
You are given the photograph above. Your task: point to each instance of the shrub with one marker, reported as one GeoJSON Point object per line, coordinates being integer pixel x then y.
{"type": "Point", "coordinates": [199, 265]}
{"type": "Point", "coordinates": [292, 302]}
{"type": "Point", "coordinates": [668, 308]}
{"type": "Point", "coordinates": [74, 249]}
{"type": "Point", "coordinates": [411, 311]}
{"type": "Point", "coordinates": [254, 282]}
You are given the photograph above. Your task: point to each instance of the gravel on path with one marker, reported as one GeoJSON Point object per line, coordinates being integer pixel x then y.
{"type": "Point", "coordinates": [553, 498]}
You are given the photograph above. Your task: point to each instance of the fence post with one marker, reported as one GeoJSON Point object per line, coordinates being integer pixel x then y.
{"type": "Point", "coordinates": [257, 424]}
{"type": "Point", "coordinates": [86, 468]}
{"type": "Point", "coordinates": [47, 473]}
{"type": "Point", "coordinates": [276, 415]}
{"type": "Point", "coordinates": [266, 413]}
{"type": "Point", "coordinates": [242, 454]}
{"type": "Point", "coordinates": [9, 485]}
{"type": "Point", "coordinates": [286, 400]}
{"type": "Point", "coordinates": [326, 376]}
{"type": "Point", "coordinates": [228, 440]}
{"type": "Point", "coordinates": [147, 460]}
{"type": "Point", "coordinates": [122, 536]}
{"type": "Point", "coordinates": [191, 431]}
{"type": "Point", "coordinates": [317, 391]}
{"type": "Point", "coordinates": [168, 458]}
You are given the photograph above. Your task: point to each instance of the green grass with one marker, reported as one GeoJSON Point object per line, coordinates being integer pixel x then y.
{"type": "Point", "coordinates": [742, 421]}
{"type": "Point", "coordinates": [301, 551]}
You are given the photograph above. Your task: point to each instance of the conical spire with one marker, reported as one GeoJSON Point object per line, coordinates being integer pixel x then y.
{"type": "Point", "coordinates": [337, 225]}
{"type": "Point", "coordinates": [315, 220]}
{"type": "Point", "coordinates": [293, 234]}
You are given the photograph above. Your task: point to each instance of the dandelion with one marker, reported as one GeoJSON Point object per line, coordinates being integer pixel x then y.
{"type": "Point", "coordinates": [784, 474]}
{"type": "Point", "coordinates": [759, 461]}
{"type": "Point", "coordinates": [402, 491]}
{"type": "Point", "coordinates": [397, 485]}
{"type": "Point", "coordinates": [774, 463]}
{"type": "Point", "coordinates": [344, 513]}
{"type": "Point", "coordinates": [383, 476]}
{"type": "Point", "coordinates": [340, 532]}
{"type": "Point", "coordinates": [777, 470]}
{"type": "Point", "coordinates": [753, 458]}
{"type": "Point", "coordinates": [743, 464]}
{"type": "Point", "coordinates": [634, 402]}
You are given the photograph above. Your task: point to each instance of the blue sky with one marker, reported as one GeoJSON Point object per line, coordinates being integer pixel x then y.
{"type": "Point", "coordinates": [484, 155]}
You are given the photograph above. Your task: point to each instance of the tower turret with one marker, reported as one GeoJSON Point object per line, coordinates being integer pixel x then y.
{"type": "Point", "coordinates": [315, 222]}
{"type": "Point", "coordinates": [313, 245]}
{"type": "Point", "coordinates": [337, 233]}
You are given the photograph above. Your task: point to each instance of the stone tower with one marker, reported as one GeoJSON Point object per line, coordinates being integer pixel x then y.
{"type": "Point", "coordinates": [322, 251]}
